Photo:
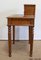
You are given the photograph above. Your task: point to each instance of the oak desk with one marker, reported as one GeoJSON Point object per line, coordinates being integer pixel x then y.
{"type": "Point", "coordinates": [21, 20]}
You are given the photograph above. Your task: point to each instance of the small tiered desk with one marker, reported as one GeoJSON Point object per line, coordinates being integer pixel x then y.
{"type": "Point", "coordinates": [22, 20]}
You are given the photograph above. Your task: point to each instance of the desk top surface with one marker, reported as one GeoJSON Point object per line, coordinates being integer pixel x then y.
{"type": "Point", "coordinates": [21, 16]}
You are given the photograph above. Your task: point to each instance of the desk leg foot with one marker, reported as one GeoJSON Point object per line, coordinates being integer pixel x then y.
{"type": "Point", "coordinates": [31, 40]}
{"type": "Point", "coordinates": [31, 49]}
{"type": "Point", "coordinates": [9, 54]}
{"type": "Point", "coordinates": [13, 34]}
{"type": "Point", "coordinates": [9, 40]}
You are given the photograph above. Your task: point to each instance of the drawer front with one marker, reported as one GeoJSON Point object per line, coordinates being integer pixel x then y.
{"type": "Point", "coordinates": [21, 22]}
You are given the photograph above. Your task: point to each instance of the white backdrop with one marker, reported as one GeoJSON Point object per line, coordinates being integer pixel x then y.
{"type": "Point", "coordinates": [10, 7]}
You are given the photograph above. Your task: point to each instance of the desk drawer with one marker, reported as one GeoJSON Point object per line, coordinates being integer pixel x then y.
{"type": "Point", "coordinates": [21, 22]}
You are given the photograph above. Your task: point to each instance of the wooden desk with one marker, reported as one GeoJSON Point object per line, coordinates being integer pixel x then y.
{"type": "Point", "coordinates": [21, 20]}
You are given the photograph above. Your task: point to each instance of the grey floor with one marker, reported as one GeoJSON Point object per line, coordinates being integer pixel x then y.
{"type": "Point", "coordinates": [20, 50]}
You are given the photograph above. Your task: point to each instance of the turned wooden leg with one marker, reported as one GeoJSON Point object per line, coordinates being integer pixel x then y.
{"type": "Point", "coordinates": [29, 34]}
{"type": "Point", "coordinates": [13, 34]}
{"type": "Point", "coordinates": [9, 40]}
{"type": "Point", "coordinates": [31, 40]}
